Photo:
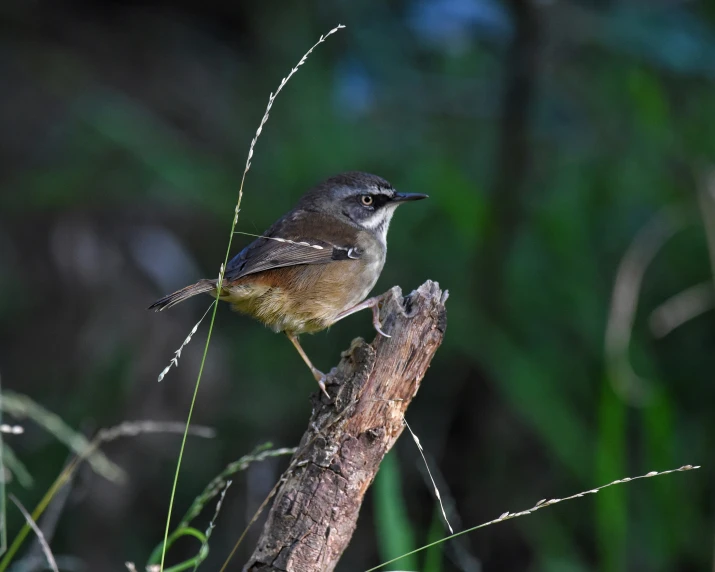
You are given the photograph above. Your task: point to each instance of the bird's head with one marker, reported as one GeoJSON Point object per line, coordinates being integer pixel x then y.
{"type": "Point", "coordinates": [362, 199]}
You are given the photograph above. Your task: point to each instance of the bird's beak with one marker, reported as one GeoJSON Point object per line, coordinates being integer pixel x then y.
{"type": "Point", "coordinates": [404, 197]}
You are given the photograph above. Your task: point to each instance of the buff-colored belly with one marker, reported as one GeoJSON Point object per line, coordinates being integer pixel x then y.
{"type": "Point", "coordinates": [306, 298]}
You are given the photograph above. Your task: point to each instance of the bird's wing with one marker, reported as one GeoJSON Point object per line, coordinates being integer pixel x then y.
{"type": "Point", "coordinates": [297, 238]}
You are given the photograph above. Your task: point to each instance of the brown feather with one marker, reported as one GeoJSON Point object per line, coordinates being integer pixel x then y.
{"type": "Point", "coordinates": [200, 287]}
{"type": "Point", "coordinates": [298, 299]}
{"type": "Point", "coordinates": [294, 287]}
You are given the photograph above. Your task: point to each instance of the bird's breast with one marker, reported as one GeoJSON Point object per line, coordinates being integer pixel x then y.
{"type": "Point", "coordinates": [308, 297]}
{"type": "Point", "coordinates": [364, 277]}
{"type": "Point", "coordinates": [305, 298]}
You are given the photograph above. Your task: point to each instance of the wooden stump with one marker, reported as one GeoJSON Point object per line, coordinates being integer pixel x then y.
{"type": "Point", "coordinates": [319, 497]}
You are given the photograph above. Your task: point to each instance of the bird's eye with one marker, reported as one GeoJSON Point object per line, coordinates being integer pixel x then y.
{"type": "Point", "coordinates": [367, 200]}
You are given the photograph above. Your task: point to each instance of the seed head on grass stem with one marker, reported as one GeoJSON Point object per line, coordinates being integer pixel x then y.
{"type": "Point", "coordinates": [237, 209]}
{"type": "Point", "coordinates": [436, 490]}
{"type": "Point", "coordinates": [538, 506]}
{"type": "Point", "coordinates": [177, 354]}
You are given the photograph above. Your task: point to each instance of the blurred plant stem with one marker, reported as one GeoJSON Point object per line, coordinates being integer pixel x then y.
{"type": "Point", "coordinates": [513, 153]}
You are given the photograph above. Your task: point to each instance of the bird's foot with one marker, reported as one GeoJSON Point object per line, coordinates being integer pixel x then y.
{"type": "Point", "coordinates": [374, 305]}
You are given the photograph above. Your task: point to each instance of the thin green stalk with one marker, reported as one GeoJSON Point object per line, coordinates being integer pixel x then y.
{"type": "Point", "coordinates": [188, 423]}
{"type": "Point", "coordinates": [186, 564]}
{"type": "Point", "coordinates": [271, 99]}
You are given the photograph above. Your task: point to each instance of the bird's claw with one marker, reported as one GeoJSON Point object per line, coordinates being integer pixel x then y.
{"type": "Point", "coordinates": [376, 320]}
{"type": "Point", "coordinates": [321, 383]}
{"type": "Point", "coordinates": [378, 328]}
{"type": "Point", "coordinates": [320, 377]}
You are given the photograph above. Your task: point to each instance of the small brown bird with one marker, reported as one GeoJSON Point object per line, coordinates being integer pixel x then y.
{"type": "Point", "coordinates": [316, 264]}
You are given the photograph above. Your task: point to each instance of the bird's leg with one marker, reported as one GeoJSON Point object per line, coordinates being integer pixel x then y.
{"type": "Point", "coordinates": [372, 303]}
{"type": "Point", "coordinates": [317, 374]}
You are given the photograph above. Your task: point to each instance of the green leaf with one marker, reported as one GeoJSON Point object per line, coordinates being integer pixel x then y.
{"type": "Point", "coordinates": [433, 555]}
{"type": "Point", "coordinates": [395, 534]}
{"type": "Point", "coordinates": [158, 552]}
{"type": "Point", "coordinates": [611, 517]}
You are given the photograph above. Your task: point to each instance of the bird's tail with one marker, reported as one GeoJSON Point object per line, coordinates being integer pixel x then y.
{"type": "Point", "coordinates": [201, 287]}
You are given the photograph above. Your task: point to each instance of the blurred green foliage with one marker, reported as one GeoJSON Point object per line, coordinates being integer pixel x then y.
{"type": "Point", "coordinates": [124, 134]}
{"type": "Point", "coordinates": [393, 529]}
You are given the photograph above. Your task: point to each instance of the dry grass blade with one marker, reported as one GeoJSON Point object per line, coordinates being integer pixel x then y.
{"type": "Point", "coordinates": [135, 428]}
{"type": "Point", "coordinates": [538, 506]}
{"type": "Point", "coordinates": [681, 308]}
{"type": "Point", "coordinates": [45, 547]}
{"type": "Point", "coordinates": [22, 406]}
{"type": "Point", "coordinates": [700, 298]}
{"type": "Point", "coordinates": [436, 490]}
{"type": "Point", "coordinates": [624, 301]}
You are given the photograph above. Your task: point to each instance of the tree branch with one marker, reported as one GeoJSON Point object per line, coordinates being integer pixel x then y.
{"type": "Point", "coordinates": [317, 505]}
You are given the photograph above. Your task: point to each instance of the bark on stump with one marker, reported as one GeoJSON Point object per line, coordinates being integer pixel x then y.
{"type": "Point", "coordinates": [317, 504]}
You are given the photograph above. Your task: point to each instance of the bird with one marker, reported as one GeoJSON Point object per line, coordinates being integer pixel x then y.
{"type": "Point", "coordinates": [316, 264]}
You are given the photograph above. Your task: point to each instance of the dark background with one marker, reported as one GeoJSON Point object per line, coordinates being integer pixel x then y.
{"type": "Point", "coordinates": [563, 144]}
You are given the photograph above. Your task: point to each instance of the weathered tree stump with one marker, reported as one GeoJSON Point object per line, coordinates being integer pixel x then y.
{"type": "Point", "coordinates": [317, 504]}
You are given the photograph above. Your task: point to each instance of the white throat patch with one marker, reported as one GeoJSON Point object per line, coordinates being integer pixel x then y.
{"type": "Point", "coordinates": [380, 222]}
